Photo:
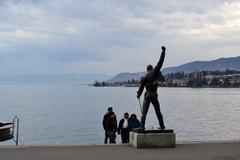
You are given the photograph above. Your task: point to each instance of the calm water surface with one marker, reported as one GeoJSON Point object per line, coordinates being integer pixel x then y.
{"type": "Point", "coordinates": [73, 114]}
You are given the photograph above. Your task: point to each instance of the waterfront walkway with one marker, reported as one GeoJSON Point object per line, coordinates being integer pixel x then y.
{"type": "Point", "coordinates": [193, 151]}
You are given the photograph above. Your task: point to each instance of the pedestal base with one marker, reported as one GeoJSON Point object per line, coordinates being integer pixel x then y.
{"type": "Point", "coordinates": [153, 139]}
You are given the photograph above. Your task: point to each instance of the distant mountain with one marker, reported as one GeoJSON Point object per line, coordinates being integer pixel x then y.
{"type": "Point", "coordinates": [35, 79]}
{"type": "Point", "coordinates": [221, 64]}
{"type": "Point", "coordinates": [125, 77]}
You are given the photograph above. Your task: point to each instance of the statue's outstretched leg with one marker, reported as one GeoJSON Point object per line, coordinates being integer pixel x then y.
{"type": "Point", "coordinates": [158, 112]}
{"type": "Point", "coordinates": [145, 108]}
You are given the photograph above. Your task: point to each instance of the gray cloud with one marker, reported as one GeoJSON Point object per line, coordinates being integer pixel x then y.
{"type": "Point", "coordinates": [112, 36]}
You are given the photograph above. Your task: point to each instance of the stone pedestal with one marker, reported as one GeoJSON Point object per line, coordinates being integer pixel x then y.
{"type": "Point", "coordinates": [152, 138]}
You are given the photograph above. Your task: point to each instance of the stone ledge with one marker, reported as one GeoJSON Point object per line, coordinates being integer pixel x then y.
{"type": "Point", "coordinates": [152, 140]}
{"type": "Point", "coordinates": [139, 130]}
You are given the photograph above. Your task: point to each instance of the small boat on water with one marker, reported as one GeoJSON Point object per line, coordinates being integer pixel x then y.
{"type": "Point", "coordinates": [7, 130]}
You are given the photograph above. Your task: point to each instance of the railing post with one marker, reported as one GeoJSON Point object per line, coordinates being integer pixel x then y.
{"type": "Point", "coordinates": [16, 122]}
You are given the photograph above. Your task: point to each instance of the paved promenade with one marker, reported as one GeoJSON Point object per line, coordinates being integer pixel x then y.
{"type": "Point", "coordinates": [193, 151]}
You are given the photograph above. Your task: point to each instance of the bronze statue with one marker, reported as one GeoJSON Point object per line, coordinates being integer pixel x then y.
{"type": "Point", "coordinates": [150, 82]}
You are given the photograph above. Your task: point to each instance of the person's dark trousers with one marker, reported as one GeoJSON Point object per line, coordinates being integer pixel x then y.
{"type": "Point", "coordinates": [112, 136]}
{"type": "Point", "coordinates": [106, 137]}
{"type": "Point", "coordinates": [156, 105]}
{"type": "Point", "coordinates": [125, 135]}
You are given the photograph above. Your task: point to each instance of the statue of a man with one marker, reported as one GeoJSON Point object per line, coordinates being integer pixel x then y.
{"type": "Point", "coordinates": [150, 82]}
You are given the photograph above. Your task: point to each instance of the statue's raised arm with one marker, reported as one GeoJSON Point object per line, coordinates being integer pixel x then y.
{"type": "Point", "coordinates": [158, 67]}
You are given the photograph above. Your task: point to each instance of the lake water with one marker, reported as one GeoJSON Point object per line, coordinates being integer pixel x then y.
{"type": "Point", "coordinates": [73, 114]}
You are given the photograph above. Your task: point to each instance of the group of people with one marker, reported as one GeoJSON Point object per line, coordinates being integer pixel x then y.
{"type": "Point", "coordinates": [126, 124]}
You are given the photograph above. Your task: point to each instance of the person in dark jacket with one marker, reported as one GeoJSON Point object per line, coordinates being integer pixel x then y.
{"type": "Point", "coordinates": [133, 122]}
{"type": "Point", "coordinates": [105, 124]}
{"type": "Point", "coordinates": [123, 128]}
{"type": "Point", "coordinates": [112, 128]}
{"type": "Point", "coordinates": [150, 82]}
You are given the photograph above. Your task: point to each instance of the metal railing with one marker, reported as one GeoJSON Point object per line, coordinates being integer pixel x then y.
{"type": "Point", "coordinates": [15, 125]}
{"type": "Point", "coordinates": [10, 131]}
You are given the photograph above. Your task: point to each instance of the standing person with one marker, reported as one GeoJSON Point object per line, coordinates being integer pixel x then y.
{"type": "Point", "coordinates": [133, 122]}
{"type": "Point", "coordinates": [150, 82]}
{"type": "Point", "coordinates": [112, 128]}
{"type": "Point", "coordinates": [123, 128]}
{"type": "Point", "coordinates": [105, 123]}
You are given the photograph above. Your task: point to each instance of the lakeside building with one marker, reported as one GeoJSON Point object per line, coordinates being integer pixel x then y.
{"type": "Point", "coordinates": [224, 79]}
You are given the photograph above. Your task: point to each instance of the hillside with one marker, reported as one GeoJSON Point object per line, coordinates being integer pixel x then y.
{"type": "Point", "coordinates": [121, 77]}
{"type": "Point", "coordinates": [220, 64]}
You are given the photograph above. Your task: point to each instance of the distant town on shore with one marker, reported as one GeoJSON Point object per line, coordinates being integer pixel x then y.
{"type": "Point", "coordinates": [222, 72]}
{"type": "Point", "coordinates": [226, 79]}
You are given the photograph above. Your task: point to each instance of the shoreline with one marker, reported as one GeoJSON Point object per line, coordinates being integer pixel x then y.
{"type": "Point", "coordinates": [118, 144]}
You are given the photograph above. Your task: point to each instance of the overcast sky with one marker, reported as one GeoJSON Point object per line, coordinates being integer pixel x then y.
{"type": "Point", "coordinates": [112, 36]}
